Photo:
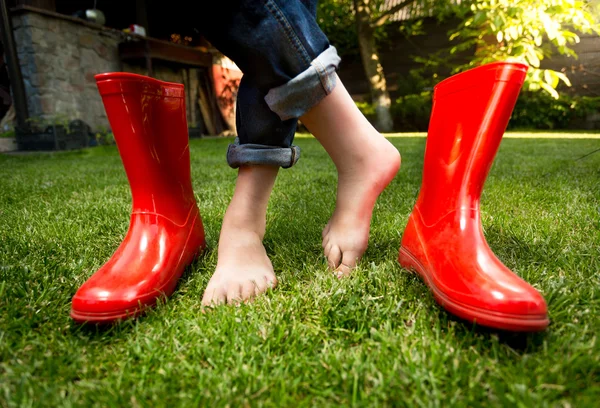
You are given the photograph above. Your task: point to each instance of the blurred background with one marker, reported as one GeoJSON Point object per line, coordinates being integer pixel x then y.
{"type": "Point", "coordinates": [393, 53]}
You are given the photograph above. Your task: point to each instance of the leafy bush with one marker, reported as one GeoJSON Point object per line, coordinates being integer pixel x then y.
{"type": "Point", "coordinates": [526, 31]}
{"type": "Point", "coordinates": [8, 134]}
{"type": "Point", "coordinates": [368, 110]}
{"type": "Point", "coordinates": [537, 110]}
{"type": "Point", "coordinates": [420, 79]}
{"type": "Point", "coordinates": [534, 110]}
{"type": "Point", "coordinates": [411, 112]}
{"type": "Point", "coordinates": [104, 137]}
{"type": "Point", "coordinates": [41, 123]}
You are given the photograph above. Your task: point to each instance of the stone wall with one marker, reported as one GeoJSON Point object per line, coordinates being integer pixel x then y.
{"type": "Point", "coordinates": [59, 58]}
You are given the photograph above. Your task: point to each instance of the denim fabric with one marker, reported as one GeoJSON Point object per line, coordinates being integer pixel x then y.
{"type": "Point", "coordinates": [296, 97]}
{"type": "Point", "coordinates": [283, 53]}
{"type": "Point", "coordinates": [249, 153]}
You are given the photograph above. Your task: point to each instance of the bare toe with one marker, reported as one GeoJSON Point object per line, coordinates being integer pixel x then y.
{"type": "Point", "coordinates": [213, 296]}
{"type": "Point", "coordinates": [249, 290]}
{"type": "Point", "coordinates": [343, 271]}
{"type": "Point", "coordinates": [243, 270]}
{"type": "Point", "coordinates": [349, 261]}
{"type": "Point", "coordinates": [271, 281]}
{"type": "Point", "coordinates": [335, 257]}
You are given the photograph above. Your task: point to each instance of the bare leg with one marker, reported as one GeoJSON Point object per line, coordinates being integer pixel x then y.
{"type": "Point", "coordinates": [366, 163]}
{"type": "Point", "coordinates": [243, 267]}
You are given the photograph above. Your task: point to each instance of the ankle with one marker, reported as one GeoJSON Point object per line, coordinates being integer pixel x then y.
{"type": "Point", "coordinates": [244, 221]}
{"type": "Point", "coordinates": [374, 157]}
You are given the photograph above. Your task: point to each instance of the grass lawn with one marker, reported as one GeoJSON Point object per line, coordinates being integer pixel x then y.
{"type": "Point", "coordinates": [376, 339]}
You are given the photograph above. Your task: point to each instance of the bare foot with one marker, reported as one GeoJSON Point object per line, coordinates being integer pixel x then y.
{"type": "Point", "coordinates": [243, 268]}
{"type": "Point", "coordinates": [366, 163]}
{"type": "Point", "coordinates": [346, 235]}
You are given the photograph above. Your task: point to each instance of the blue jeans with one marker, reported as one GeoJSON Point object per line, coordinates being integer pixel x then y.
{"type": "Point", "coordinates": [288, 66]}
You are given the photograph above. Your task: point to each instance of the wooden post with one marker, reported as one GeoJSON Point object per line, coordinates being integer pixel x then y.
{"type": "Point", "coordinates": [148, 57]}
{"type": "Point", "coordinates": [141, 15]}
{"type": "Point", "coordinates": [14, 68]}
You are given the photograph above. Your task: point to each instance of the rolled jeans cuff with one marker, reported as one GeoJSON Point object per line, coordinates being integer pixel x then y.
{"type": "Point", "coordinates": [250, 153]}
{"type": "Point", "coordinates": [305, 90]}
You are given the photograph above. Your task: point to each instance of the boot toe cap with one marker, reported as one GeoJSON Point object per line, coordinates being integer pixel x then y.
{"type": "Point", "coordinates": [99, 304]}
{"type": "Point", "coordinates": [508, 311]}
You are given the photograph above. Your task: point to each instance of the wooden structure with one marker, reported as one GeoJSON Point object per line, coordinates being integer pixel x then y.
{"type": "Point", "coordinates": [104, 47]}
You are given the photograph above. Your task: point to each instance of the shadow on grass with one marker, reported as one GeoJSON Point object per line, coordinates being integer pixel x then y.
{"type": "Point", "coordinates": [520, 342]}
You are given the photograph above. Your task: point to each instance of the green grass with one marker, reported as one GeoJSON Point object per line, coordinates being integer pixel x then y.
{"type": "Point", "coordinates": [377, 339]}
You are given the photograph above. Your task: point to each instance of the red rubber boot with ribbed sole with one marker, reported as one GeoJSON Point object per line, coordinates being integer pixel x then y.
{"type": "Point", "coordinates": [148, 119]}
{"type": "Point", "coordinates": [443, 240]}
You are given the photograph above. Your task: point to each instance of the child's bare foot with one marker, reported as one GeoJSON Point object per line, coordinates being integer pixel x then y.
{"type": "Point", "coordinates": [346, 235]}
{"type": "Point", "coordinates": [366, 163]}
{"type": "Point", "coordinates": [243, 268]}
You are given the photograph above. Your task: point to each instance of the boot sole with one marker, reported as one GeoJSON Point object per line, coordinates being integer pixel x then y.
{"type": "Point", "coordinates": [109, 317]}
{"type": "Point", "coordinates": [483, 317]}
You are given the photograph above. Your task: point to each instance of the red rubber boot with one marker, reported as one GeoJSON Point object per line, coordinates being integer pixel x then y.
{"type": "Point", "coordinates": [443, 241]}
{"type": "Point", "coordinates": [148, 119]}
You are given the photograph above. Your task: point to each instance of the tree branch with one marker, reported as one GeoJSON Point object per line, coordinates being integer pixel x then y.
{"type": "Point", "coordinates": [379, 21]}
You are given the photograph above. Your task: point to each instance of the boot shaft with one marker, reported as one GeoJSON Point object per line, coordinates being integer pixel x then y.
{"type": "Point", "coordinates": [469, 117]}
{"type": "Point", "coordinates": [148, 120]}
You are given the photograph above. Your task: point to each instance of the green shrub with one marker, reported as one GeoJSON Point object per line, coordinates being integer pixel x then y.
{"type": "Point", "coordinates": [8, 134]}
{"type": "Point", "coordinates": [367, 109]}
{"type": "Point", "coordinates": [533, 110]}
{"type": "Point", "coordinates": [411, 112]}
{"type": "Point", "coordinates": [104, 137]}
{"type": "Point", "coordinates": [538, 110]}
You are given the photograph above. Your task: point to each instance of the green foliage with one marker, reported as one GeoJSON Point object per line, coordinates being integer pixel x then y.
{"type": "Point", "coordinates": [336, 19]}
{"type": "Point", "coordinates": [104, 136]}
{"type": "Point", "coordinates": [41, 123]}
{"type": "Point", "coordinates": [8, 134]}
{"type": "Point", "coordinates": [411, 112]}
{"type": "Point", "coordinates": [536, 110]}
{"type": "Point", "coordinates": [526, 31]}
{"type": "Point", "coordinates": [368, 110]}
{"type": "Point", "coordinates": [418, 80]}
